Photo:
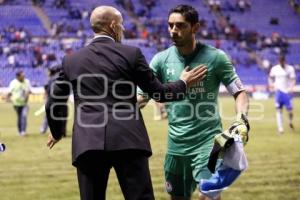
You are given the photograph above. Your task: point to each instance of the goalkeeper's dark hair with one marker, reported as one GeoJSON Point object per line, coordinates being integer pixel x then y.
{"type": "Point", "coordinates": [189, 13]}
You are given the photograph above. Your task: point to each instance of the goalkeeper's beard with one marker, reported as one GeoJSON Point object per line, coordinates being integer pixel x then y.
{"type": "Point", "coordinates": [177, 42]}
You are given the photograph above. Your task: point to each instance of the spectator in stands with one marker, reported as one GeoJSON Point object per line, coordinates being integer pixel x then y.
{"type": "Point", "coordinates": [149, 4]}
{"type": "Point", "coordinates": [10, 2]}
{"type": "Point", "coordinates": [131, 32]}
{"type": "Point", "coordinates": [222, 22]}
{"type": "Point", "coordinates": [54, 30]}
{"type": "Point", "coordinates": [60, 4]}
{"type": "Point", "coordinates": [213, 29]}
{"type": "Point", "coordinates": [141, 12]}
{"type": "Point", "coordinates": [265, 64]}
{"type": "Point", "coordinates": [38, 56]}
{"type": "Point", "coordinates": [38, 2]}
{"type": "Point", "coordinates": [23, 35]}
{"type": "Point", "coordinates": [228, 6]}
{"type": "Point", "coordinates": [120, 3]}
{"type": "Point", "coordinates": [234, 32]}
{"type": "Point", "coordinates": [19, 91]}
{"type": "Point", "coordinates": [85, 14]}
{"type": "Point", "coordinates": [145, 33]}
{"type": "Point", "coordinates": [214, 5]}
{"type": "Point", "coordinates": [61, 27]}
{"type": "Point", "coordinates": [69, 29]}
{"type": "Point", "coordinates": [11, 60]}
{"type": "Point", "coordinates": [297, 8]}
{"type": "Point", "coordinates": [126, 4]}
{"type": "Point", "coordinates": [243, 5]}
{"type": "Point", "coordinates": [74, 13]}
{"type": "Point", "coordinates": [80, 30]}
{"type": "Point", "coordinates": [278, 41]}
{"type": "Point", "coordinates": [206, 34]}
{"type": "Point", "coordinates": [10, 34]}
{"type": "Point", "coordinates": [295, 5]}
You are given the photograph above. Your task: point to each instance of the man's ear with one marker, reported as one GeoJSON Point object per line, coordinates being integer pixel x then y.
{"type": "Point", "coordinates": [195, 27]}
{"type": "Point", "coordinates": [112, 24]}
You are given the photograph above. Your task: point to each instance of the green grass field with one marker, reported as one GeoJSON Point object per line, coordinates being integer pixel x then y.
{"type": "Point", "coordinates": [30, 171]}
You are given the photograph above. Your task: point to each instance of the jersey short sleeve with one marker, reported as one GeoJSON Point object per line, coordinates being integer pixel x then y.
{"type": "Point", "coordinates": [227, 75]}
{"type": "Point", "coordinates": [155, 65]}
{"type": "Point", "coordinates": [11, 86]}
{"type": "Point", "coordinates": [292, 73]}
{"type": "Point", "coordinates": [28, 85]}
{"type": "Point", "coordinates": [224, 69]}
{"type": "Point", "coordinates": [272, 74]}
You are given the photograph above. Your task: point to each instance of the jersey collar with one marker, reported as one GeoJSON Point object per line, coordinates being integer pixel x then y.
{"type": "Point", "coordinates": [189, 58]}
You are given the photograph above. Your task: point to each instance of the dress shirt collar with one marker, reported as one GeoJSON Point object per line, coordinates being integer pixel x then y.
{"type": "Point", "coordinates": [103, 36]}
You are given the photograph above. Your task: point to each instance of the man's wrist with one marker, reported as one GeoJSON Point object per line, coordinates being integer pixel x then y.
{"type": "Point", "coordinates": [57, 138]}
{"type": "Point", "coordinates": [184, 82]}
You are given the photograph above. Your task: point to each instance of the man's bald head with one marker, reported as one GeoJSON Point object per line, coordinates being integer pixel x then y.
{"type": "Point", "coordinates": [103, 16]}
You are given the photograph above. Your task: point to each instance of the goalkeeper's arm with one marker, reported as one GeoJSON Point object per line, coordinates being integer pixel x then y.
{"type": "Point", "coordinates": [241, 103]}
{"type": "Point", "coordinates": [241, 125]}
{"type": "Point", "coordinates": [237, 89]}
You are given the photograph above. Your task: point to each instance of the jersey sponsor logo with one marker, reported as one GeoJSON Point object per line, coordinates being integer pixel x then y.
{"type": "Point", "coordinates": [169, 187]}
{"type": "Point", "coordinates": [198, 84]}
{"type": "Point", "coordinates": [170, 71]}
{"type": "Point", "coordinates": [197, 88]}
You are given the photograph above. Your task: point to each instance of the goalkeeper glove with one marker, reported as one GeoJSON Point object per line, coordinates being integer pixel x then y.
{"type": "Point", "coordinates": [241, 126]}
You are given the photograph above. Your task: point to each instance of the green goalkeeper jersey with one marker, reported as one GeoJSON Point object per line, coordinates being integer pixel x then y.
{"type": "Point", "coordinates": [194, 121]}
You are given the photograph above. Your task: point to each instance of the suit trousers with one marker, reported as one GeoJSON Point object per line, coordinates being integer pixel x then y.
{"type": "Point", "coordinates": [131, 167]}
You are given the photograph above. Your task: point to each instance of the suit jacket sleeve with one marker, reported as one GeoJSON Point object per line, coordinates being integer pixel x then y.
{"type": "Point", "coordinates": [147, 81]}
{"type": "Point", "coordinates": [56, 106]}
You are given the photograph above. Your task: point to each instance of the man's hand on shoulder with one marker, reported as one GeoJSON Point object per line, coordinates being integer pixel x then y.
{"type": "Point", "coordinates": [192, 76]}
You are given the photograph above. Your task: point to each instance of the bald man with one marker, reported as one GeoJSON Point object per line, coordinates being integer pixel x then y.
{"type": "Point", "coordinates": [109, 130]}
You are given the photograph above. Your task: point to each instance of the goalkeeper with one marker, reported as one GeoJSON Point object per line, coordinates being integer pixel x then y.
{"type": "Point", "coordinates": [195, 121]}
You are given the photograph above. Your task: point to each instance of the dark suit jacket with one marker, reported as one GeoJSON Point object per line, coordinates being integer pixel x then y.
{"type": "Point", "coordinates": [103, 77]}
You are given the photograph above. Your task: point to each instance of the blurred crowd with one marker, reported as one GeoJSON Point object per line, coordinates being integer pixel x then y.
{"type": "Point", "coordinates": [42, 52]}
{"type": "Point", "coordinates": [21, 50]}
{"type": "Point", "coordinates": [295, 4]}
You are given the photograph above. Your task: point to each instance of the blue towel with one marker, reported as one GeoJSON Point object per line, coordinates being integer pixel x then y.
{"type": "Point", "coordinates": [220, 181]}
{"type": "Point", "coordinates": [233, 164]}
